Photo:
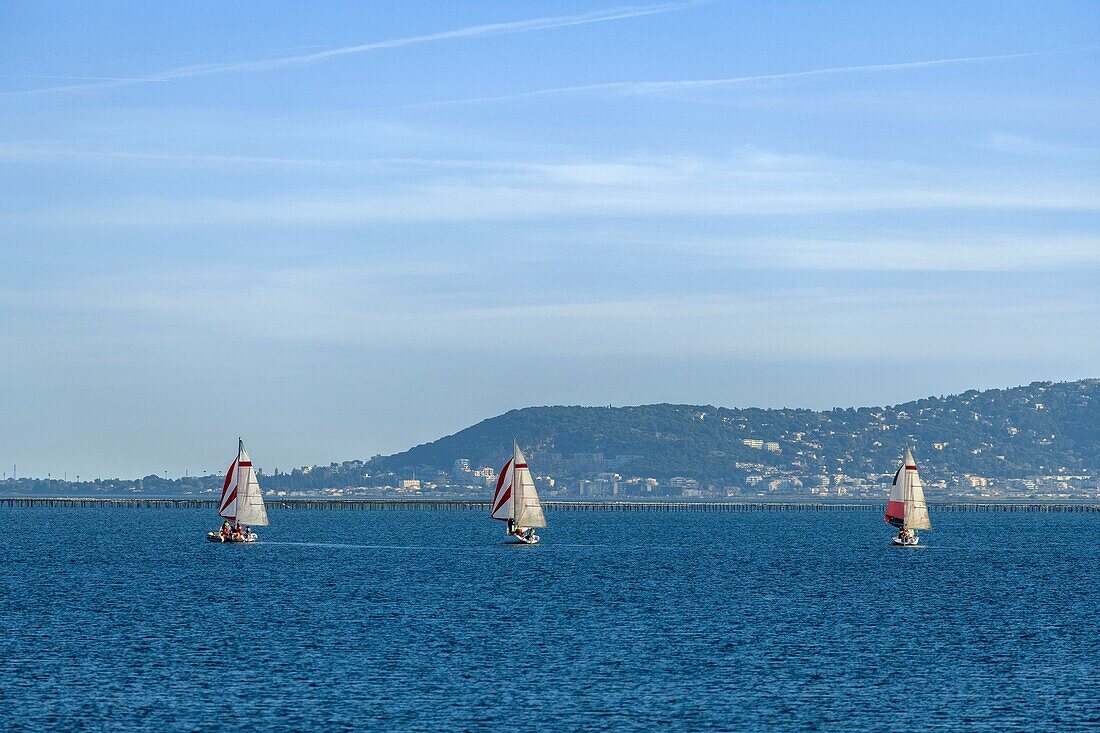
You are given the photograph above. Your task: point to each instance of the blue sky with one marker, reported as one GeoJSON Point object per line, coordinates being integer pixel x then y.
{"type": "Point", "coordinates": [342, 229]}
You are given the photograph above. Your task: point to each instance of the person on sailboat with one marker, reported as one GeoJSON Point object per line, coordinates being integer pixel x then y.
{"type": "Point", "coordinates": [226, 530]}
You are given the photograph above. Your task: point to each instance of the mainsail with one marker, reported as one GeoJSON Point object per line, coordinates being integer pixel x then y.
{"type": "Point", "coordinates": [241, 498]}
{"type": "Point", "coordinates": [906, 507]}
{"type": "Point", "coordinates": [528, 509]}
{"type": "Point", "coordinates": [515, 497]}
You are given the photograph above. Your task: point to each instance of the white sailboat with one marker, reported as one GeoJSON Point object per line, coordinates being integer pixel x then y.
{"type": "Point", "coordinates": [906, 508]}
{"type": "Point", "coordinates": [241, 503]}
{"type": "Point", "coordinates": [515, 500]}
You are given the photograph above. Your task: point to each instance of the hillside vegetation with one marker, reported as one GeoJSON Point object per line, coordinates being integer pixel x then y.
{"type": "Point", "coordinates": [1041, 428]}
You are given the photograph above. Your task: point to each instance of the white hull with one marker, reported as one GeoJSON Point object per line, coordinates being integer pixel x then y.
{"type": "Point", "coordinates": [216, 537]}
{"type": "Point", "coordinates": [526, 540]}
{"type": "Point", "coordinates": [911, 542]}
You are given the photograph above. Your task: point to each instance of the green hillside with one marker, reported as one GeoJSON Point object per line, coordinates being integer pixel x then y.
{"type": "Point", "coordinates": [1041, 428]}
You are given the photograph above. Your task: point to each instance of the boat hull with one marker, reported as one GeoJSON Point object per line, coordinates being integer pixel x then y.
{"type": "Point", "coordinates": [216, 537]}
{"type": "Point", "coordinates": [912, 542]}
{"type": "Point", "coordinates": [526, 540]}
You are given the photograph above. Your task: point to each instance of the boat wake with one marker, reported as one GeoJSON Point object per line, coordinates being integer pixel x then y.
{"type": "Point", "coordinates": [349, 546]}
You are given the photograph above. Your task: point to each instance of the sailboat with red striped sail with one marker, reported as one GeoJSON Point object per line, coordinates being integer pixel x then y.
{"type": "Point", "coordinates": [906, 508]}
{"type": "Point", "coordinates": [241, 502]}
{"type": "Point", "coordinates": [515, 500]}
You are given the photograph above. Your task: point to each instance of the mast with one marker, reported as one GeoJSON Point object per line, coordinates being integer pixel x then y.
{"type": "Point", "coordinates": [240, 473]}
{"type": "Point", "coordinates": [517, 485]}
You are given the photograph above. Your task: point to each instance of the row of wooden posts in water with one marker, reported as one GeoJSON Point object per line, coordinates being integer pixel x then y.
{"type": "Point", "coordinates": [483, 505]}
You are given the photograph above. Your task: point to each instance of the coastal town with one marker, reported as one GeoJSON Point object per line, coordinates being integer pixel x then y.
{"type": "Point", "coordinates": [585, 476]}
{"type": "Point", "coordinates": [594, 476]}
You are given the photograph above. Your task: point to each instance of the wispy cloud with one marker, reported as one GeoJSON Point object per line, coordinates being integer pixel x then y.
{"type": "Point", "coordinates": [1019, 144]}
{"type": "Point", "coordinates": [749, 185]}
{"type": "Point", "coordinates": [633, 88]}
{"type": "Point", "coordinates": [323, 306]}
{"type": "Point", "coordinates": [485, 29]}
{"type": "Point", "coordinates": [45, 152]}
{"type": "Point", "coordinates": [134, 80]}
{"type": "Point", "coordinates": [950, 251]}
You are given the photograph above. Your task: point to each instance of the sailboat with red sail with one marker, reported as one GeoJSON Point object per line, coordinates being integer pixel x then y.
{"type": "Point", "coordinates": [515, 500]}
{"type": "Point", "coordinates": [241, 502]}
{"type": "Point", "coordinates": [906, 508]}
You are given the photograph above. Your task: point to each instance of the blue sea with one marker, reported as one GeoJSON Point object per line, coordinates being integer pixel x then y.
{"type": "Point", "coordinates": [418, 620]}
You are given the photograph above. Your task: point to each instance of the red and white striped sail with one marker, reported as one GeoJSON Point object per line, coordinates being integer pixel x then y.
{"type": "Point", "coordinates": [227, 506]}
{"type": "Point", "coordinates": [242, 499]}
{"type": "Point", "coordinates": [906, 507]}
{"type": "Point", "coordinates": [515, 497]}
{"type": "Point", "coordinates": [501, 506]}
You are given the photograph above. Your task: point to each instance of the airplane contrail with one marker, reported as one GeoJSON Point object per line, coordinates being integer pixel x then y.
{"type": "Point", "coordinates": [644, 87]}
{"type": "Point", "coordinates": [486, 29]}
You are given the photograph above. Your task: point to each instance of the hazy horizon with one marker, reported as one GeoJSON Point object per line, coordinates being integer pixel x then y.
{"type": "Point", "coordinates": [340, 231]}
{"type": "Point", "coordinates": [272, 465]}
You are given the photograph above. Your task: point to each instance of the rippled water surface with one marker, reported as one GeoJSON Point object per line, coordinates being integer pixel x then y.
{"type": "Point", "coordinates": [425, 620]}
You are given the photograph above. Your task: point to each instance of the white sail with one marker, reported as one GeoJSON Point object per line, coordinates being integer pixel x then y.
{"type": "Point", "coordinates": [528, 509]}
{"type": "Point", "coordinates": [907, 508]}
{"type": "Point", "coordinates": [251, 511]}
{"type": "Point", "coordinates": [501, 506]}
{"type": "Point", "coordinates": [916, 509]}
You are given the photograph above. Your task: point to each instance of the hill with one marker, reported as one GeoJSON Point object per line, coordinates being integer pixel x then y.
{"type": "Point", "coordinates": [1042, 428]}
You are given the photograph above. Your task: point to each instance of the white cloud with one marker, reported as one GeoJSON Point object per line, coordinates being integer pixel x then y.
{"type": "Point", "coordinates": [949, 251]}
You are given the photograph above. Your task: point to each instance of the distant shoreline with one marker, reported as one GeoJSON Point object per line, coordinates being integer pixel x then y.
{"type": "Point", "coordinates": [305, 503]}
